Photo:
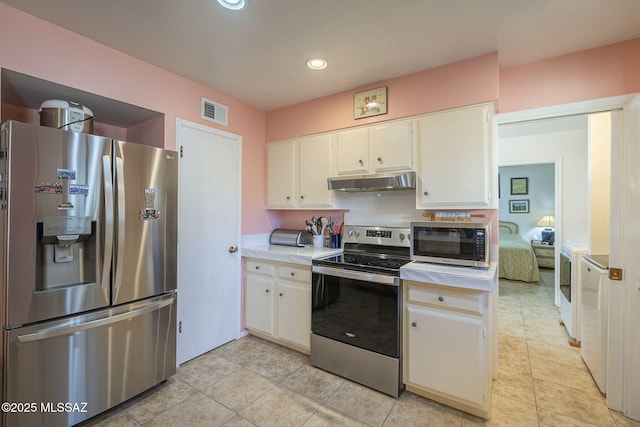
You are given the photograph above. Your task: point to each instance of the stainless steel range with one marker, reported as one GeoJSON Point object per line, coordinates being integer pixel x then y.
{"type": "Point", "coordinates": [356, 308]}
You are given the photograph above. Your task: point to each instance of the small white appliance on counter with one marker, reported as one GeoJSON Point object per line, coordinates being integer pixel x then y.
{"type": "Point", "coordinates": [594, 284]}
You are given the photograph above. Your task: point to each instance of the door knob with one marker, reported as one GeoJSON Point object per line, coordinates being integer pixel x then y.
{"type": "Point", "coordinates": [233, 249]}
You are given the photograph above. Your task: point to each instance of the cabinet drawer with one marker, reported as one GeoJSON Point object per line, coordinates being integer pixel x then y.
{"type": "Point", "coordinates": [286, 272]}
{"type": "Point", "coordinates": [446, 298]}
{"type": "Point", "coordinates": [260, 267]}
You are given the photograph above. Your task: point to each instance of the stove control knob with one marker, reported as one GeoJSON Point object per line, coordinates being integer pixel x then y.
{"type": "Point", "coordinates": [350, 232]}
{"type": "Point", "coordinates": [401, 236]}
{"type": "Point", "coordinates": [357, 233]}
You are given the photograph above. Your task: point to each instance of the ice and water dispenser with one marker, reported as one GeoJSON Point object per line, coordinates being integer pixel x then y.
{"type": "Point", "coordinates": [66, 252]}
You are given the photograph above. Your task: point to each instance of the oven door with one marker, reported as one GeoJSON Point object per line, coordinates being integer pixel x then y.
{"type": "Point", "coordinates": [357, 308]}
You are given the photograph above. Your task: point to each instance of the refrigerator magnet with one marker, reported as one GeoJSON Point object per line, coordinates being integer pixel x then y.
{"type": "Point", "coordinates": [69, 174]}
{"type": "Point", "coordinates": [48, 188]}
{"type": "Point", "coordinates": [149, 213]}
{"type": "Point", "coordinates": [149, 197]}
{"type": "Point", "coordinates": [78, 190]}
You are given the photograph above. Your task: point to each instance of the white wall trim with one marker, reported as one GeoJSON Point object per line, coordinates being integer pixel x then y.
{"type": "Point", "coordinates": [583, 107]}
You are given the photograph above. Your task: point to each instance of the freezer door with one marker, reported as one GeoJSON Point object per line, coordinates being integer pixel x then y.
{"type": "Point", "coordinates": [71, 370]}
{"type": "Point", "coordinates": [145, 258]}
{"type": "Point", "coordinates": [55, 235]}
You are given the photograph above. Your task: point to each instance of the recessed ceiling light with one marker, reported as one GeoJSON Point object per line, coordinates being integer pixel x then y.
{"type": "Point", "coordinates": [317, 63]}
{"type": "Point", "coordinates": [232, 4]}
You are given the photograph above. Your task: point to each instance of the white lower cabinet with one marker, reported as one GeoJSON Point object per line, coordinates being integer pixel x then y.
{"type": "Point", "coordinates": [446, 346]}
{"type": "Point", "coordinates": [294, 317]}
{"type": "Point", "coordinates": [278, 302]}
{"type": "Point", "coordinates": [259, 303]}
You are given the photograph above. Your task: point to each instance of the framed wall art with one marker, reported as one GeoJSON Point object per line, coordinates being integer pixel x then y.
{"type": "Point", "coordinates": [519, 186]}
{"type": "Point", "coordinates": [519, 206]}
{"type": "Point", "coordinates": [370, 103]}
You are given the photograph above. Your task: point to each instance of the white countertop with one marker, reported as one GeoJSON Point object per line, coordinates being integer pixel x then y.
{"type": "Point", "coordinates": [480, 279]}
{"type": "Point", "coordinates": [291, 254]}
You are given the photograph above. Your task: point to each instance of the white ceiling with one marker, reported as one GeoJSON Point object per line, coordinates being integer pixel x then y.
{"type": "Point", "coordinates": [258, 55]}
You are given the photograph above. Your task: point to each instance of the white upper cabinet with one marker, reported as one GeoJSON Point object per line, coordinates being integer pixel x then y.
{"type": "Point", "coordinates": [376, 148]}
{"type": "Point", "coordinates": [315, 167]}
{"type": "Point", "coordinates": [451, 151]}
{"type": "Point", "coordinates": [392, 146]}
{"type": "Point", "coordinates": [353, 151]}
{"type": "Point", "coordinates": [297, 172]}
{"type": "Point", "coordinates": [455, 159]}
{"type": "Point", "coordinates": [281, 173]}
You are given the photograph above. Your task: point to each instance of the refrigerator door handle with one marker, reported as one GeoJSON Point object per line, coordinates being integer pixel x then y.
{"type": "Point", "coordinates": [119, 170]}
{"type": "Point", "coordinates": [107, 249]}
{"type": "Point", "coordinates": [105, 321]}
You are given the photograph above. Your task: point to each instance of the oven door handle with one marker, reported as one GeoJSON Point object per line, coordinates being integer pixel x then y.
{"type": "Point", "coordinates": [357, 275]}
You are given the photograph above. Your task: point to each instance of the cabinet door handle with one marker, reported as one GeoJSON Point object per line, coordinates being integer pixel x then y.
{"type": "Point", "coordinates": [281, 294]}
{"type": "Point", "coordinates": [266, 291]}
{"type": "Point", "coordinates": [440, 299]}
{"type": "Point", "coordinates": [302, 197]}
{"type": "Point", "coordinates": [414, 324]}
{"type": "Point", "coordinates": [293, 274]}
{"type": "Point", "coordinates": [288, 198]}
{"type": "Point", "coordinates": [257, 267]}
{"type": "Point", "coordinates": [361, 162]}
{"type": "Point", "coordinates": [426, 193]}
{"type": "Point", "coordinates": [380, 159]}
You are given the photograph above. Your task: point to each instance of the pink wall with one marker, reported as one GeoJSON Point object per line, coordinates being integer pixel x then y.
{"type": "Point", "coordinates": [34, 47]}
{"type": "Point", "coordinates": [595, 73]}
{"type": "Point", "coordinates": [462, 83]}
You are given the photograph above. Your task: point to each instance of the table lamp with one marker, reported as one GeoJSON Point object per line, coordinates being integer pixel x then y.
{"type": "Point", "coordinates": [548, 234]}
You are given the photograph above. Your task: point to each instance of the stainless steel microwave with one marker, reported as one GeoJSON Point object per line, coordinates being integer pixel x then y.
{"type": "Point", "coordinates": [453, 243]}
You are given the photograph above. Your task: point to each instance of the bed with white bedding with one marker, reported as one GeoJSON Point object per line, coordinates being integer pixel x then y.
{"type": "Point", "coordinates": [517, 259]}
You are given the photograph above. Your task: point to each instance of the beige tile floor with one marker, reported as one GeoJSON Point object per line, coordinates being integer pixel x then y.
{"type": "Point", "coordinates": [251, 382]}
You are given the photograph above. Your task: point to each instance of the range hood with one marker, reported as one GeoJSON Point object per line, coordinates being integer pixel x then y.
{"type": "Point", "coordinates": [377, 182]}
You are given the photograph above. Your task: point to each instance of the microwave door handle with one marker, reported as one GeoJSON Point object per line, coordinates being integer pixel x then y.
{"type": "Point", "coordinates": [120, 218]}
{"type": "Point", "coordinates": [107, 247]}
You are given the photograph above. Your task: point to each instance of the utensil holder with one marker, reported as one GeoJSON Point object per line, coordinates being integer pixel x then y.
{"type": "Point", "coordinates": [318, 241]}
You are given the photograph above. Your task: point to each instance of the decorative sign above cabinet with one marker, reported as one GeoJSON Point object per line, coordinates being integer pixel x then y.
{"type": "Point", "coordinates": [370, 103]}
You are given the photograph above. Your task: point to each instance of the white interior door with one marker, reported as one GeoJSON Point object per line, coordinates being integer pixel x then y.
{"type": "Point", "coordinates": [209, 270]}
{"type": "Point", "coordinates": [631, 267]}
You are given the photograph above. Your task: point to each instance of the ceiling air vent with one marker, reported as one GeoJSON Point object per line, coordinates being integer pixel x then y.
{"type": "Point", "coordinates": [214, 112]}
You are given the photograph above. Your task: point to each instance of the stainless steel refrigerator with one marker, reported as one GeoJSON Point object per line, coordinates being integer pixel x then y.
{"type": "Point", "coordinates": [88, 273]}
